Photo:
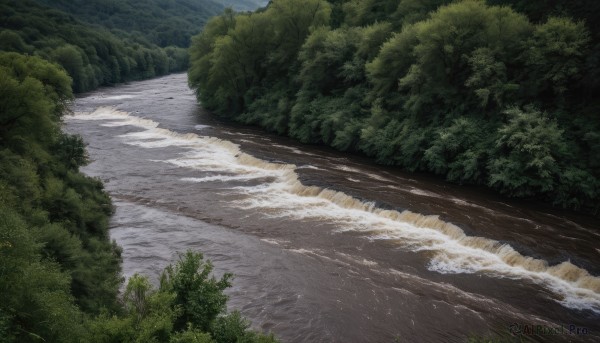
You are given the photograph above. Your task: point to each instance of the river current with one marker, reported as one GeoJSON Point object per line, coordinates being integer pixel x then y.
{"type": "Point", "coordinates": [326, 246]}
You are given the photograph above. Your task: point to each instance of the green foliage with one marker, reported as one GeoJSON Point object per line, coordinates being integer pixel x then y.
{"type": "Point", "coordinates": [427, 85]}
{"type": "Point", "coordinates": [412, 11]}
{"type": "Point", "coordinates": [191, 336]}
{"type": "Point", "coordinates": [71, 58]}
{"type": "Point", "coordinates": [12, 41]}
{"type": "Point", "coordinates": [393, 60]}
{"type": "Point", "coordinates": [489, 79]}
{"type": "Point", "coordinates": [34, 295]}
{"type": "Point", "coordinates": [459, 151]}
{"type": "Point", "coordinates": [232, 328]}
{"type": "Point", "coordinates": [331, 75]}
{"type": "Point", "coordinates": [57, 262]}
{"type": "Point", "coordinates": [201, 50]}
{"type": "Point", "coordinates": [365, 12]}
{"type": "Point", "coordinates": [227, 329]}
{"type": "Point", "coordinates": [148, 316]}
{"type": "Point", "coordinates": [528, 150]}
{"type": "Point", "coordinates": [189, 307]}
{"type": "Point", "coordinates": [240, 59]}
{"type": "Point", "coordinates": [556, 56]}
{"type": "Point", "coordinates": [199, 295]}
{"type": "Point", "coordinates": [436, 78]}
{"type": "Point", "coordinates": [162, 22]}
{"type": "Point", "coordinates": [399, 142]}
{"type": "Point", "coordinates": [70, 150]}
{"type": "Point", "coordinates": [577, 189]}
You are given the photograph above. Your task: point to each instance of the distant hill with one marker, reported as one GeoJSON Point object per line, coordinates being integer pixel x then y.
{"type": "Point", "coordinates": [103, 42]}
{"type": "Point", "coordinates": [91, 55]}
{"type": "Point", "coordinates": [243, 5]}
{"type": "Point", "coordinates": [162, 22]}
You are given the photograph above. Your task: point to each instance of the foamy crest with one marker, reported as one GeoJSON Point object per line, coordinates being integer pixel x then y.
{"type": "Point", "coordinates": [118, 97]}
{"type": "Point", "coordinates": [219, 178]}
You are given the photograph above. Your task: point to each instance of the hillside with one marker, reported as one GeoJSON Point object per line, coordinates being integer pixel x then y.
{"type": "Point", "coordinates": [162, 22]}
{"type": "Point", "coordinates": [244, 5]}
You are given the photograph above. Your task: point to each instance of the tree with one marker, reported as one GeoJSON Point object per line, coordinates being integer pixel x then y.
{"type": "Point", "coordinates": [12, 41]}
{"type": "Point", "coordinates": [556, 57]}
{"type": "Point", "coordinates": [528, 150]}
{"type": "Point", "coordinates": [70, 58]}
{"type": "Point", "coordinates": [440, 71]}
{"type": "Point", "coordinates": [293, 21]}
{"type": "Point", "coordinates": [201, 60]}
{"type": "Point", "coordinates": [188, 307]}
{"type": "Point", "coordinates": [199, 294]}
{"type": "Point", "coordinates": [35, 302]}
{"type": "Point", "coordinates": [459, 151]}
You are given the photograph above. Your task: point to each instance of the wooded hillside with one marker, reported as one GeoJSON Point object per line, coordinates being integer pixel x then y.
{"type": "Point", "coordinates": [92, 56]}
{"type": "Point", "coordinates": [476, 92]}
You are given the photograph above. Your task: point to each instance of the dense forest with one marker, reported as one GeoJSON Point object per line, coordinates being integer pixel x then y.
{"type": "Point", "coordinates": [161, 22]}
{"type": "Point", "coordinates": [497, 93]}
{"type": "Point", "coordinates": [60, 273]}
{"type": "Point", "coordinates": [55, 256]}
{"type": "Point", "coordinates": [92, 56]}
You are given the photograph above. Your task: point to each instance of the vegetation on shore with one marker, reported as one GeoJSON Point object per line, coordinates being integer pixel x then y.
{"type": "Point", "coordinates": [473, 91]}
{"type": "Point", "coordinates": [56, 260]}
{"type": "Point", "coordinates": [188, 307]}
{"type": "Point", "coordinates": [59, 271]}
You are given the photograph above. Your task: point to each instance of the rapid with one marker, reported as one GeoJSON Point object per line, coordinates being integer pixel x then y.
{"type": "Point", "coordinates": [326, 246]}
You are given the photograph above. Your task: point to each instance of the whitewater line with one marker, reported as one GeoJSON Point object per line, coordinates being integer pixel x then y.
{"type": "Point", "coordinates": [454, 251]}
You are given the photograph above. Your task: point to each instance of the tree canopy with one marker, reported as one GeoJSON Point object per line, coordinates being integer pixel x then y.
{"type": "Point", "coordinates": [55, 253]}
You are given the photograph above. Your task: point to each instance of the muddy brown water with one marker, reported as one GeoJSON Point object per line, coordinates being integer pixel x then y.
{"type": "Point", "coordinates": [328, 247]}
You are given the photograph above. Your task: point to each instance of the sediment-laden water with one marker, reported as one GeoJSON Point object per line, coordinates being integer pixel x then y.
{"type": "Point", "coordinates": [328, 247]}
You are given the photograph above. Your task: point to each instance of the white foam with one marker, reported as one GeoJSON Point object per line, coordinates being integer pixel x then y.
{"type": "Point", "coordinates": [118, 97]}
{"type": "Point", "coordinates": [303, 251]}
{"type": "Point", "coordinates": [294, 150]}
{"type": "Point", "coordinates": [358, 171]}
{"type": "Point", "coordinates": [424, 193]}
{"type": "Point", "coordinates": [219, 178]}
{"type": "Point", "coordinates": [308, 167]}
{"type": "Point", "coordinates": [349, 169]}
{"type": "Point", "coordinates": [363, 261]}
{"type": "Point", "coordinates": [275, 241]}
{"type": "Point", "coordinates": [378, 178]}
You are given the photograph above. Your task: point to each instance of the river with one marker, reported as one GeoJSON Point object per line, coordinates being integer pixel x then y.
{"type": "Point", "coordinates": [326, 246]}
